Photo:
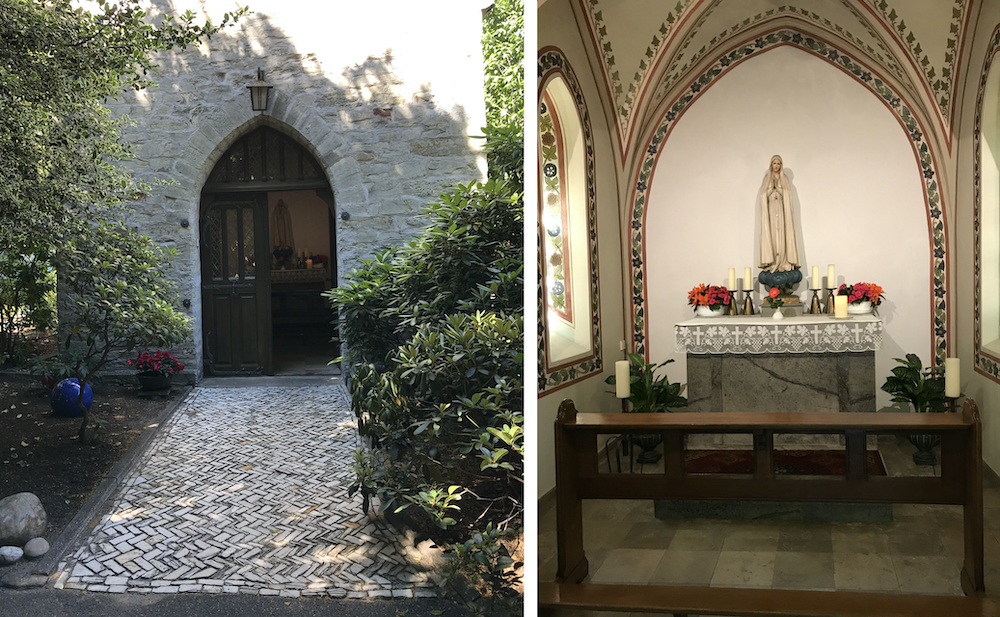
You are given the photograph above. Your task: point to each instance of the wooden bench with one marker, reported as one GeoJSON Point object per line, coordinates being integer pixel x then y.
{"type": "Point", "coordinates": [577, 478]}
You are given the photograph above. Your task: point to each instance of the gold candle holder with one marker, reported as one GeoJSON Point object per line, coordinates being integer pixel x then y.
{"type": "Point", "coordinates": [829, 300]}
{"type": "Point", "coordinates": [747, 303]}
{"type": "Point", "coordinates": [815, 307]}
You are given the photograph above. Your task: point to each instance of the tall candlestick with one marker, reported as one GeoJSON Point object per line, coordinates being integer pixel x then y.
{"type": "Point", "coordinates": [623, 387]}
{"type": "Point", "coordinates": [831, 278]}
{"type": "Point", "coordinates": [952, 378]}
{"type": "Point", "coordinates": [732, 279]}
{"type": "Point", "coordinates": [816, 283]}
{"type": "Point", "coordinates": [747, 279]}
{"type": "Point", "coordinates": [840, 307]}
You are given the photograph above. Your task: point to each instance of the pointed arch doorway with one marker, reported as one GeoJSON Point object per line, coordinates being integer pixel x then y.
{"type": "Point", "coordinates": [262, 308]}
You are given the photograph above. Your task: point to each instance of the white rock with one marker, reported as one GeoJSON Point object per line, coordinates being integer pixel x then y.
{"type": "Point", "coordinates": [22, 518]}
{"type": "Point", "coordinates": [36, 547]}
{"type": "Point", "coordinates": [9, 554]}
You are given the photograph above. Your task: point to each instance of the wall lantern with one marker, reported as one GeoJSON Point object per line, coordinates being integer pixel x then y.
{"type": "Point", "coordinates": [259, 90]}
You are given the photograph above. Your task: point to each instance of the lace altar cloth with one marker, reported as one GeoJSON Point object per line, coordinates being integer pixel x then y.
{"type": "Point", "coordinates": [756, 334]}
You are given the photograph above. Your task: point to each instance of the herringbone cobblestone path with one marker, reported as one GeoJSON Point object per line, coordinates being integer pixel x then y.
{"type": "Point", "coordinates": [245, 491]}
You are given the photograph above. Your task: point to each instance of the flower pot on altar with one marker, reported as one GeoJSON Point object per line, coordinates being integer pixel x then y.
{"type": "Point", "coordinates": [860, 308]}
{"type": "Point", "coordinates": [152, 380]}
{"type": "Point", "coordinates": [709, 311]}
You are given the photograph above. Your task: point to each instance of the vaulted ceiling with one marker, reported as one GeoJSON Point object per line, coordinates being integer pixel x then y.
{"type": "Point", "coordinates": [649, 52]}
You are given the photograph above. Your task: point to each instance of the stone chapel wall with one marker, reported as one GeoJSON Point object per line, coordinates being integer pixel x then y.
{"type": "Point", "coordinates": [386, 98]}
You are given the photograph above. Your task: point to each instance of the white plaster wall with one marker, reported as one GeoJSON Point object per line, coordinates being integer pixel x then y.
{"type": "Point", "coordinates": [856, 186]}
{"type": "Point", "coordinates": [982, 389]}
{"type": "Point", "coordinates": [556, 26]}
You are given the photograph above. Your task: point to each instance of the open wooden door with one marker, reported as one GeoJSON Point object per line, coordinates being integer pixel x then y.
{"type": "Point", "coordinates": [236, 285]}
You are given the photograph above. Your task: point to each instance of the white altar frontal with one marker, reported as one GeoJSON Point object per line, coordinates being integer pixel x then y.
{"type": "Point", "coordinates": [754, 363]}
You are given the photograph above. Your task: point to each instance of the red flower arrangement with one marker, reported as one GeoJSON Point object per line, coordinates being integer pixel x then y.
{"type": "Point", "coordinates": [710, 296]}
{"type": "Point", "coordinates": [158, 362]}
{"type": "Point", "coordinates": [861, 292]}
{"type": "Point", "coordinates": [320, 259]}
{"type": "Point", "coordinates": [772, 298]}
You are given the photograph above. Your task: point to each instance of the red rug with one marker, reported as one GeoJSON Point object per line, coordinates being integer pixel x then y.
{"type": "Point", "coordinates": [786, 462]}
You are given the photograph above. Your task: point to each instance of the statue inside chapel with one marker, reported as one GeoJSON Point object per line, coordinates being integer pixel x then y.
{"type": "Point", "coordinates": [779, 252]}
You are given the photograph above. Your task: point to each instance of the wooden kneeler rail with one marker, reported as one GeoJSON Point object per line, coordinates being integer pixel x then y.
{"type": "Point", "coordinates": [577, 478]}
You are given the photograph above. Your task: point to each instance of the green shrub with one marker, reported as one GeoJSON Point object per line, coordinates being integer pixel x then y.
{"type": "Point", "coordinates": [27, 299]}
{"type": "Point", "coordinates": [120, 299]}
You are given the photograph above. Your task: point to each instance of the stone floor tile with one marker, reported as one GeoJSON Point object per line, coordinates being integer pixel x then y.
{"type": "Point", "coordinates": [928, 574]}
{"type": "Point", "coordinates": [680, 567]}
{"type": "Point", "coordinates": [806, 537]}
{"type": "Point", "coordinates": [870, 572]}
{"type": "Point", "coordinates": [795, 570]}
{"type": "Point", "coordinates": [744, 569]}
{"type": "Point", "coordinates": [625, 565]}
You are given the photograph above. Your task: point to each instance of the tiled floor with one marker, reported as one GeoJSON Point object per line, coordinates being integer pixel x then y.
{"type": "Point", "coordinates": [245, 491]}
{"type": "Point", "coordinates": [919, 552]}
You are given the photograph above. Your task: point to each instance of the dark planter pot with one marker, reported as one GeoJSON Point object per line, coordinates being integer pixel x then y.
{"type": "Point", "coordinates": [925, 448]}
{"type": "Point", "coordinates": [154, 381]}
{"type": "Point", "coordinates": [647, 442]}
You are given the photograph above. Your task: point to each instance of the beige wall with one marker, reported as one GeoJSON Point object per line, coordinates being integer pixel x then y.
{"type": "Point", "coordinates": [984, 390]}
{"type": "Point", "coordinates": [557, 27]}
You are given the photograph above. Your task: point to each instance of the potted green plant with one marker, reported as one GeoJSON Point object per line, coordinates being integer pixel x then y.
{"type": "Point", "coordinates": [922, 388]}
{"type": "Point", "coordinates": [649, 393]}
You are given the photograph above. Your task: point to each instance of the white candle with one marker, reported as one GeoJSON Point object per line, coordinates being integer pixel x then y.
{"type": "Point", "coordinates": [623, 387]}
{"type": "Point", "coordinates": [309, 264]}
{"type": "Point", "coordinates": [816, 283]}
{"type": "Point", "coordinates": [831, 278]}
{"type": "Point", "coordinates": [732, 279]}
{"type": "Point", "coordinates": [747, 279]}
{"type": "Point", "coordinates": [952, 378]}
{"type": "Point", "coordinates": [840, 307]}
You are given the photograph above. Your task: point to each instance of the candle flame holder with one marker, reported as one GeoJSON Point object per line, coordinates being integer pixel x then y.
{"type": "Point", "coordinates": [747, 303]}
{"type": "Point", "coordinates": [829, 300]}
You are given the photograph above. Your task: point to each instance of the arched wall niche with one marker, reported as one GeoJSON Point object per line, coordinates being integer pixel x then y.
{"type": "Point", "coordinates": [552, 66]}
{"type": "Point", "coordinates": [700, 215]}
{"type": "Point", "coordinates": [986, 216]}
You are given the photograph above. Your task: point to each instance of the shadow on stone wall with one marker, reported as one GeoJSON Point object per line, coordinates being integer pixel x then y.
{"type": "Point", "coordinates": [385, 145]}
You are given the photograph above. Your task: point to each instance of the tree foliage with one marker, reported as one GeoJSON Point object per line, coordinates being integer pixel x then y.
{"type": "Point", "coordinates": [121, 299]}
{"type": "Point", "coordinates": [59, 145]}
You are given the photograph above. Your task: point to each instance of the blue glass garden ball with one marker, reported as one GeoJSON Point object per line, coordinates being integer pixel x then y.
{"type": "Point", "coordinates": [64, 398]}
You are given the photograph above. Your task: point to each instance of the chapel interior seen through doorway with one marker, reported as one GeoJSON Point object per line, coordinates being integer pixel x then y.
{"type": "Point", "coordinates": [268, 247]}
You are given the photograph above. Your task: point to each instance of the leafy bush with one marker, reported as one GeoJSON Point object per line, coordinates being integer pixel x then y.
{"type": "Point", "coordinates": [121, 298]}
{"type": "Point", "coordinates": [27, 299]}
{"type": "Point", "coordinates": [434, 331]}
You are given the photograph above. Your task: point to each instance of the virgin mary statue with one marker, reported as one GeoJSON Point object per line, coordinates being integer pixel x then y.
{"type": "Point", "coordinates": [778, 251]}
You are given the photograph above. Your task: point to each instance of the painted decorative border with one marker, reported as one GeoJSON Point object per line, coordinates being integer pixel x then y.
{"type": "Point", "coordinates": [810, 44]}
{"type": "Point", "coordinates": [985, 363]}
{"type": "Point", "coordinates": [942, 87]}
{"type": "Point", "coordinates": [625, 101]}
{"type": "Point", "coordinates": [552, 62]}
{"type": "Point", "coordinates": [887, 61]}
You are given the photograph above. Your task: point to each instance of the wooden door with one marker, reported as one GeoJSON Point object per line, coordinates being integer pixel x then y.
{"type": "Point", "coordinates": [236, 286]}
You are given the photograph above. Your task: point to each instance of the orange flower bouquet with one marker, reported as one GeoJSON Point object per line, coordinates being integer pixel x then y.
{"type": "Point", "coordinates": [710, 296]}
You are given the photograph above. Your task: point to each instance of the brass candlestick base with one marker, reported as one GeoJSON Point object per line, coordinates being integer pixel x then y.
{"type": "Point", "coordinates": [747, 303]}
{"type": "Point", "coordinates": [732, 307]}
{"type": "Point", "coordinates": [829, 301]}
{"type": "Point", "coordinates": [815, 307]}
